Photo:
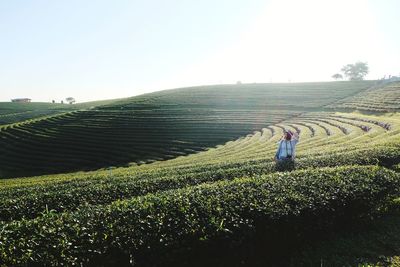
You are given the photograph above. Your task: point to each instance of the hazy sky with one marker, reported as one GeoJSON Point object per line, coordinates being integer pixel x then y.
{"type": "Point", "coordinates": [97, 49]}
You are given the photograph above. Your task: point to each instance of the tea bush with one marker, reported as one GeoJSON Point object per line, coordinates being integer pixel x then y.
{"type": "Point", "coordinates": [162, 227]}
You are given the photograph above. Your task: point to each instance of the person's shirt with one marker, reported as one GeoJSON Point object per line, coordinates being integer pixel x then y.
{"type": "Point", "coordinates": [286, 148]}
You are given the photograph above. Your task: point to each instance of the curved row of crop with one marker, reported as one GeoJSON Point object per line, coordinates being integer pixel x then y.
{"type": "Point", "coordinates": [385, 98]}
{"type": "Point", "coordinates": [104, 138]}
{"type": "Point", "coordinates": [32, 200]}
{"type": "Point", "coordinates": [157, 126]}
{"type": "Point", "coordinates": [254, 147]}
{"type": "Point", "coordinates": [177, 219]}
{"type": "Point", "coordinates": [44, 202]}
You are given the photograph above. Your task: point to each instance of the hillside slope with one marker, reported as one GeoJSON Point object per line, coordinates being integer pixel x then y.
{"type": "Point", "coordinates": [231, 205]}
{"type": "Point", "coordinates": [380, 98]}
{"type": "Point", "coordinates": [18, 112]}
{"type": "Point", "coordinates": [157, 126]}
{"type": "Point", "coordinates": [228, 200]}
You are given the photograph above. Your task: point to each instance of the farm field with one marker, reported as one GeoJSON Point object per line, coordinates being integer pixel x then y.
{"type": "Point", "coordinates": [18, 112]}
{"type": "Point", "coordinates": [157, 126]}
{"type": "Point", "coordinates": [379, 98]}
{"type": "Point", "coordinates": [226, 205]}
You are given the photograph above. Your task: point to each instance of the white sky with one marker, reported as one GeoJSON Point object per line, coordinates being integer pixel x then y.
{"type": "Point", "coordinates": [124, 48]}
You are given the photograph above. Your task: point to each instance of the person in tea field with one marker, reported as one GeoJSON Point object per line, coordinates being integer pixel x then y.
{"type": "Point", "coordinates": [286, 152]}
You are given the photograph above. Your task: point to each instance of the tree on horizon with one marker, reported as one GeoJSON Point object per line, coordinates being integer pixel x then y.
{"type": "Point", "coordinates": [337, 76]}
{"type": "Point", "coordinates": [356, 71]}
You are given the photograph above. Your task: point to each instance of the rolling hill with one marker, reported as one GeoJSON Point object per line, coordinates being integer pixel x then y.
{"type": "Point", "coordinates": [229, 205]}
{"type": "Point", "coordinates": [18, 112]}
{"type": "Point", "coordinates": [380, 98]}
{"type": "Point", "coordinates": [157, 126]}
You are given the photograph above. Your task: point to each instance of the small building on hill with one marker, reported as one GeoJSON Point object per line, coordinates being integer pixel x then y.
{"type": "Point", "coordinates": [21, 100]}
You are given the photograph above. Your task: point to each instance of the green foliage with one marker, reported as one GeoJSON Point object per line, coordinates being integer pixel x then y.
{"type": "Point", "coordinates": [163, 226]}
{"type": "Point", "coordinates": [225, 206]}
{"type": "Point", "coordinates": [381, 98]}
{"type": "Point", "coordinates": [157, 126]}
{"type": "Point", "coordinates": [18, 112]}
{"type": "Point", "coordinates": [66, 195]}
{"type": "Point", "coordinates": [337, 76]}
{"type": "Point", "coordinates": [356, 71]}
{"type": "Point", "coordinates": [396, 167]}
{"type": "Point", "coordinates": [371, 243]}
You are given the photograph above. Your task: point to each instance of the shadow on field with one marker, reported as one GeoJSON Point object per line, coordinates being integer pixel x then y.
{"type": "Point", "coordinates": [360, 243]}
{"type": "Point", "coordinates": [371, 242]}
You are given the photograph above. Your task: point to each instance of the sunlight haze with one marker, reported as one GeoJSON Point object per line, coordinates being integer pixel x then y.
{"type": "Point", "coordinates": [94, 50]}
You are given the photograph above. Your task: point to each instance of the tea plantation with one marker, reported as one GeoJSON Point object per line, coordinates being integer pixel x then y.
{"type": "Point", "coordinates": [157, 126]}
{"type": "Point", "coordinates": [17, 112]}
{"type": "Point", "coordinates": [384, 98]}
{"type": "Point", "coordinates": [220, 201]}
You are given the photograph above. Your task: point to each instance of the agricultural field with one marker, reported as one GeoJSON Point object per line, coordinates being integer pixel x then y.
{"type": "Point", "coordinates": [157, 126]}
{"type": "Point", "coordinates": [18, 112]}
{"type": "Point", "coordinates": [380, 98]}
{"type": "Point", "coordinates": [229, 204]}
